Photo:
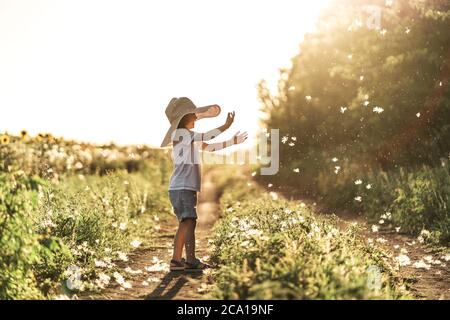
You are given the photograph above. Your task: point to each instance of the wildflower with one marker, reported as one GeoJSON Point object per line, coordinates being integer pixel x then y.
{"type": "Point", "coordinates": [375, 228]}
{"type": "Point", "coordinates": [403, 260]}
{"type": "Point", "coordinates": [294, 138]}
{"type": "Point", "coordinates": [308, 98]}
{"type": "Point", "coordinates": [381, 221]}
{"type": "Point", "coordinates": [343, 109]}
{"type": "Point", "coordinates": [335, 159]}
{"type": "Point", "coordinates": [284, 139]}
{"type": "Point", "coordinates": [383, 32]}
{"type": "Point", "coordinates": [23, 134]}
{"type": "Point", "coordinates": [336, 169]}
{"type": "Point", "coordinates": [135, 243]}
{"type": "Point", "coordinates": [421, 265]}
{"type": "Point", "coordinates": [350, 56]}
{"type": "Point", "coordinates": [397, 229]}
{"type": "Point", "coordinates": [361, 78]}
{"type": "Point", "coordinates": [358, 198]}
{"type": "Point", "coordinates": [418, 114]}
{"type": "Point", "coordinates": [270, 185]}
{"type": "Point", "coordinates": [253, 173]}
{"type": "Point", "coordinates": [291, 88]}
{"type": "Point", "coordinates": [273, 195]}
{"type": "Point", "coordinates": [366, 103]}
{"type": "Point", "coordinates": [100, 264]}
{"type": "Point", "coordinates": [359, 181]}
{"type": "Point", "coordinates": [296, 170]}
{"type": "Point", "coordinates": [157, 227]}
{"type": "Point", "coordinates": [123, 226]}
{"type": "Point", "coordinates": [389, 3]}
{"type": "Point", "coordinates": [122, 256]}
{"type": "Point", "coordinates": [291, 144]}
{"type": "Point", "coordinates": [4, 139]}
{"type": "Point", "coordinates": [369, 186]}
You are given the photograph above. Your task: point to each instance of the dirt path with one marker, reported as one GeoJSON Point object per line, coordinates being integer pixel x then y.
{"type": "Point", "coordinates": [151, 278]}
{"type": "Point", "coordinates": [428, 271]}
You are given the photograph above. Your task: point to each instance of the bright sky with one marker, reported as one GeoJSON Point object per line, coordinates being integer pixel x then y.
{"type": "Point", "coordinates": [104, 70]}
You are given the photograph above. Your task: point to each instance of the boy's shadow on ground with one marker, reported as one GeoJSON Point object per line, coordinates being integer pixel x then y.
{"type": "Point", "coordinates": [179, 279]}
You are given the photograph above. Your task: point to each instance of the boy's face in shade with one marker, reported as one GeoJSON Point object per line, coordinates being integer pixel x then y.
{"type": "Point", "coordinates": [188, 121]}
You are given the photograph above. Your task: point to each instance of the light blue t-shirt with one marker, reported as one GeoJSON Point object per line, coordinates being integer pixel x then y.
{"type": "Point", "coordinates": [186, 160]}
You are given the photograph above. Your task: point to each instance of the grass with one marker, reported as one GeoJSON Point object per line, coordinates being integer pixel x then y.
{"type": "Point", "coordinates": [278, 249]}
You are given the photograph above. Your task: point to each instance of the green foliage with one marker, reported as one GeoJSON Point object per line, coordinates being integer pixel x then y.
{"type": "Point", "coordinates": [278, 249]}
{"type": "Point", "coordinates": [326, 101]}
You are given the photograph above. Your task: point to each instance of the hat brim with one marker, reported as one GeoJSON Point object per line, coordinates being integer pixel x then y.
{"type": "Point", "coordinates": [202, 112]}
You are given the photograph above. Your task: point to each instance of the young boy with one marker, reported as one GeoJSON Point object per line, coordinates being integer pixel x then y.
{"type": "Point", "coordinates": [186, 177]}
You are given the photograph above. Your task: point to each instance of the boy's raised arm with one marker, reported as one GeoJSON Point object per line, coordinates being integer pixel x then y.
{"type": "Point", "coordinates": [236, 139]}
{"type": "Point", "coordinates": [211, 134]}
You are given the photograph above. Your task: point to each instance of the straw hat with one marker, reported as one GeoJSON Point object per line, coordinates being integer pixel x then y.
{"type": "Point", "coordinates": [178, 108]}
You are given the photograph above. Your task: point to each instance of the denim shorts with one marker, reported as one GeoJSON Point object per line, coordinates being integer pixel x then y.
{"type": "Point", "coordinates": [184, 203]}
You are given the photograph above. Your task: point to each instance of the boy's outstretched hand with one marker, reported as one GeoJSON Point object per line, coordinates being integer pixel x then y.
{"type": "Point", "coordinates": [230, 119]}
{"type": "Point", "coordinates": [239, 138]}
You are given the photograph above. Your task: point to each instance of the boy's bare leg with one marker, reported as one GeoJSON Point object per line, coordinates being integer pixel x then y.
{"type": "Point", "coordinates": [180, 239]}
{"type": "Point", "coordinates": [190, 240]}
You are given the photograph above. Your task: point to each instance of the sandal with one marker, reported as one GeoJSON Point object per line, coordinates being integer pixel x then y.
{"type": "Point", "coordinates": [196, 266]}
{"type": "Point", "coordinates": [177, 265]}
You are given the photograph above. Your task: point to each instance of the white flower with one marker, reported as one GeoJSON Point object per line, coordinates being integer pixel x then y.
{"type": "Point", "coordinates": [369, 186]}
{"type": "Point", "coordinates": [100, 264]}
{"type": "Point", "coordinates": [294, 138]}
{"type": "Point", "coordinates": [284, 139]}
{"type": "Point", "coordinates": [397, 229]}
{"type": "Point", "coordinates": [157, 227]}
{"type": "Point", "coordinates": [378, 109]}
{"type": "Point", "coordinates": [358, 198]}
{"type": "Point", "coordinates": [343, 109]}
{"type": "Point", "coordinates": [336, 169]}
{"type": "Point", "coordinates": [359, 181]}
{"type": "Point", "coordinates": [122, 256]}
{"type": "Point", "coordinates": [366, 103]}
{"type": "Point", "coordinates": [135, 243]}
{"type": "Point", "coordinates": [407, 30]}
{"type": "Point", "coordinates": [389, 3]}
{"type": "Point", "coordinates": [308, 98]}
{"type": "Point", "coordinates": [418, 114]}
{"type": "Point", "coordinates": [296, 170]}
{"type": "Point", "coordinates": [119, 278]}
{"type": "Point", "coordinates": [291, 144]}
{"type": "Point", "coordinates": [381, 221]}
{"type": "Point", "coordinates": [273, 195]}
{"type": "Point", "coordinates": [350, 56]}
{"type": "Point", "coordinates": [403, 260]}
{"type": "Point", "coordinates": [383, 32]}
{"type": "Point", "coordinates": [253, 173]}
{"type": "Point", "coordinates": [335, 159]}
{"type": "Point", "coordinates": [270, 185]}
{"type": "Point", "coordinates": [123, 226]}
{"type": "Point", "coordinates": [421, 265]}
{"type": "Point", "coordinates": [375, 228]}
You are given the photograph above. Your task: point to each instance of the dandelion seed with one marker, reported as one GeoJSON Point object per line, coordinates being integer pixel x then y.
{"type": "Point", "coordinates": [378, 110]}
{"type": "Point", "coordinates": [418, 114]}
